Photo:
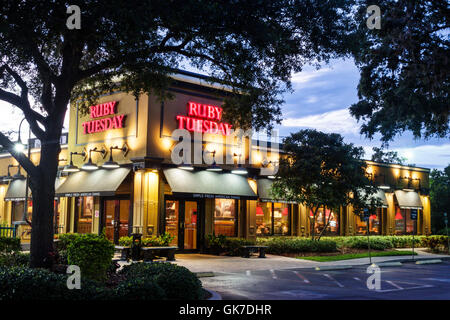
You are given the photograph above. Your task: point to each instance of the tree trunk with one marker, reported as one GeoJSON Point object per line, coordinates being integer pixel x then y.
{"type": "Point", "coordinates": [43, 193]}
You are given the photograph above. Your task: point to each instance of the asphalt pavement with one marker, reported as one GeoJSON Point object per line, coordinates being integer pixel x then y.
{"type": "Point", "coordinates": [408, 281]}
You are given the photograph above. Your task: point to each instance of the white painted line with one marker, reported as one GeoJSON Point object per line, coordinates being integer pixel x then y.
{"type": "Point", "coordinates": [357, 279]}
{"type": "Point", "coordinates": [248, 273]}
{"type": "Point", "coordinates": [394, 285]}
{"type": "Point", "coordinates": [436, 279]}
{"type": "Point", "coordinates": [417, 287]}
{"type": "Point", "coordinates": [274, 276]}
{"type": "Point", "coordinates": [301, 277]}
{"type": "Point", "coordinates": [432, 261]}
{"type": "Point", "coordinates": [332, 279]}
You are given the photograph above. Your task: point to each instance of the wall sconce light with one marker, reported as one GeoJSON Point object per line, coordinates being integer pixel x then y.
{"type": "Point", "coordinates": [90, 166]}
{"type": "Point", "coordinates": [213, 166]}
{"type": "Point", "coordinates": [111, 164]}
{"type": "Point", "coordinates": [239, 170]}
{"type": "Point", "coordinates": [17, 176]}
{"type": "Point", "coordinates": [70, 167]}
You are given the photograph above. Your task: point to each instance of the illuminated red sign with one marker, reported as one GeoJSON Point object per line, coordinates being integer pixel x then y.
{"type": "Point", "coordinates": [204, 118]}
{"type": "Point", "coordinates": [107, 109]}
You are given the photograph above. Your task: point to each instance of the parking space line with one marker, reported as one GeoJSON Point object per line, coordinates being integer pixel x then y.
{"type": "Point", "coordinates": [357, 279]}
{"type": "Point", "coordinates": [301, 277]}
{"type": "Point", "coordinates": [394, 285]}
{"type": "Point", "coordinates": [332, 279]}
{"type": "Point", "coordinates": [274, 276]}
{"type": "Point", "coordinates": [248, 273]}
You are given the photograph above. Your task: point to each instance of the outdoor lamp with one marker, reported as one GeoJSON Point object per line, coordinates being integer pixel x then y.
{"type": "Point", "coordinates": [111, 164]}
{"type": "Point", "coordinates": [213, 166]}
{"type": "Point", "coordinates": [239, 169]}
{"type": "Point", "coordinates": [186, 167]}
{"type": "Point", "coordinates": [19, 147]}
{"type": "Point", "coordinates": [70, 167]}
{"type": "Point", "coordinates": [18, 175]}
{"type": "Point", "coordinates": [90, 166]}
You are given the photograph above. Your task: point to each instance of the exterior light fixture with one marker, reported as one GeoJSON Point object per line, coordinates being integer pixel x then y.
{"type": "Point", "coordinates": [90, 166]}
{"type": "Point", "coordinates": [186, 167]}
{"type": "Point", "coordinates": [384, 187]}
{"type": "Point", "coordinates": [19, 147]}
{"type": "Point", "coordinates": [239, 170]}
{"type": "Point", "coordinates": [111, 164]}
{"type": "Point", "coordinates": [17, 176]}
{"type": "Point", "coordinates": [408, 190]}
{"type": "Point", "coordinates": [70, 167]}
{"type": "Point", "coordinates": [214, 167]}
{"type": "Point", "coordinates": [271, 177]}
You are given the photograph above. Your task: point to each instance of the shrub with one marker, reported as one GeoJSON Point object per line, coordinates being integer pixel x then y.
{"type": "Point", "coordinates": [142, 288]}
{"type": "Point", "coordinates": [376, 243]}
{"type": "Point", "coordinates": [8, 245]}
{"type": "Point", "coordinates": [14, 259]}
{"type": "Point", "coordinates": [92, 253]}
{"type": "Point", "coordinates": [280, 245]}
{"type": "Point", "coordinates": [436, 243]}
{"type": "Point", "coordinates": [233, 246]}
{"type": "Point", "coordinates": [163, 240]}
{"type": "Point", "coordinates": [177, 282]}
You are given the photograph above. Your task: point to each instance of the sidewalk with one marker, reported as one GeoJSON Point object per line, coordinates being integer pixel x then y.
{"type": "Point", "coordinates": [223, 264]}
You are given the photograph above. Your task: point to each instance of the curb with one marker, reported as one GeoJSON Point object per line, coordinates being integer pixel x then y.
{"type": "Point", "coordinates": [215, 295]}
{"type": "Point", "coordinates": [204, 274]}
{"type": "Point", "coordinates": [388, 264]}
{"type": "Point", "coordinates": [327, 268]}
{"type": "Point", "coordinates": [432, 261]}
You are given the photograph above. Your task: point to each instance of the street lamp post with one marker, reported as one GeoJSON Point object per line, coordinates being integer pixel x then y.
{"type": "Point", "coordinates": [19, 142]}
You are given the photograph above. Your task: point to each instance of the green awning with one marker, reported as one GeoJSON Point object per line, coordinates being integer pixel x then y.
{"type": "Point", "coordinates": [101, 182]}
{"type": "Point", "coordinates": [408, 199]}
{"type": "Point", "coordinates": [381, 196]}
{"type": "Point", "coordinates": [264, 188]}
{"type": "Point", "coordinates": [207, 184]}
{"type": "Point", "coordinates": [16, 190]}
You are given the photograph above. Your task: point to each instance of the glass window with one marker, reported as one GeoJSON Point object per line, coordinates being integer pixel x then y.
{"type": "Point", "coordinates": [374, 223]}
{"type": "Point", "coordinates": [84, 213]}
{"type": "Point", "coordinates": [17, 210]}
{"type": "Point", "coordinates": [399, 220]}
{"type": "Point", "coordinates": [410, 224]}
{"type": "Point", "coordinates": [172, 215]}
{"type": "Point", "coordinates": [281, 219]}
{"type": "Point", "coordinates": [263, 218]}
{"type": "Point", "coordinates": [328, 219]}
{"type": "Point", "coordinates": [225, 217]}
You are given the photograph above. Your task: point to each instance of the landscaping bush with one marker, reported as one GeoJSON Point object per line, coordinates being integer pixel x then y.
{"type": "Point", "coordinates": [281, 245]}
{"type": "Point", "coordinates": [177, 282]}
{"type": "Point", "coordinates": [142, 288]}
{"type": "Point", "coordinates": [443, 232]}
{"type": "Point", "coordinates": [163, 240]}
{"type": "Point", "coordinates": [14, 259]}
{"type": "Point", "coordinates": [436, 243]}
{"type": "Point", "coordinates": [233, 246]}
{"type": "Point", "coordinates": [376, 243]}
{"type": "Point", "coordinates": [92, 253]}
{"type": "Point", "coordinates": [8, 245]}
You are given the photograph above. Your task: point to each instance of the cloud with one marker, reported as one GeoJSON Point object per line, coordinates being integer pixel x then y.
{"type": "Point", "coordinates": [337, 121]}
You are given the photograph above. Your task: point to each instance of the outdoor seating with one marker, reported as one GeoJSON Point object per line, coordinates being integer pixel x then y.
{"type": "Point", "coordinates": [151, 253]}
{"type": "Point", "coordinates": [248, 250]}
{"type": "Point", "coordinates": [124, 252]}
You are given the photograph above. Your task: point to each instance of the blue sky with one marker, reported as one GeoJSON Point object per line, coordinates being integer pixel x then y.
{"type": "Point", "coordinates": [321, 99]}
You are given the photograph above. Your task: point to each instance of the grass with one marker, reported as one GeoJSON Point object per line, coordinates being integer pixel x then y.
{"type": "Point", "coordinates": [357, 255]}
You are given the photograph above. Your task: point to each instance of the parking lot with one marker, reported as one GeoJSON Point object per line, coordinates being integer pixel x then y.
{"type": "Point", "coordinates": [409, 281]}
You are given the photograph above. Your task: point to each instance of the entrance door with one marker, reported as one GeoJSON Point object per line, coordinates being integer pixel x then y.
{"type": "Point", "coordinates": [181, 221]}
{"type": "Point", "coordinates": [116, 217]}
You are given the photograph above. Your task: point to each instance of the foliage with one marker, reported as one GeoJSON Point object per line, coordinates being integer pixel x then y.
{"type": "Point", "coordinates": [92, 253]}
{"type": "Point", "coordinates": [177, 282]}
{"type": "Point", "coordinates": [229, 245]}
{"type": "Point", "coordinates": [378, 243]}
{"type": "Point", "coordinates": [379, 155]}
{"type": "Point", "coordinates": [357, 255]}
{"type": "Point", "coordinates": [163, 240]}
{"type": "Point", "coordinates": [281, 245]}
{"type": "Point", "coordinates": [439, 197]}
{"type": "Point", "coordinates": [14, 259]}
{"type": "Point", "coordinates": [436, 243]}
{"type": "Point", "coordinates": [404, 69]}
{"type": "Point", "coordinates": [139, 288]}
{"type": "Point", "coordinates": [323, 171]}
{"type": "Point", "coordinates": [8, 244]}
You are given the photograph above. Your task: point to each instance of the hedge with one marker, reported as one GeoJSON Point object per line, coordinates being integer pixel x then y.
{"type": "Point", "coordinates": [280, 245]}
{"type": "Point", "coordinates": [8, 244]}
{"type": "Point", "coordinates": [163, 240]}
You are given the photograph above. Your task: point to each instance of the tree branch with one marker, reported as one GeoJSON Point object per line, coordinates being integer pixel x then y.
{"type": "Point", "coordinates": [26, 163]}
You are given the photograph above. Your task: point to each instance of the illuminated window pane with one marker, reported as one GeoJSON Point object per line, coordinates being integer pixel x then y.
{"type": "Point", "coordinates": [225, 217]}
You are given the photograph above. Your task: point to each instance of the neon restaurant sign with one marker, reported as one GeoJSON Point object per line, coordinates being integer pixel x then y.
{"type": "Point", "coordinates": [112, 120]}
{"type": "Point", "coordinates": [204, 118]}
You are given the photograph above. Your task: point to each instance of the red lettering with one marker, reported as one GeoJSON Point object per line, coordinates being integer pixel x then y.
{"type": "Point", "coordinates": [120, 120]}
{"type": "Point", "coordinates": [205, 126]}
{"type": "Point", "coordinates": [181, 120]}
{"type": "Point", "coordinates": [219, 113]}
{"type": "Point", "coordinates": [211, 112]}
{"type": "Point", "coordinates": [215, 129]}
{"type": "Point", "coordinates": [192, 109]}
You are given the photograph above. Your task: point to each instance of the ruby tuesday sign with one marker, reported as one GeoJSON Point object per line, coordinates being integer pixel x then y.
{"type": "Point", "coordinates": [104, 118]}
{"type": "Point", "coordinates": [203, 118]}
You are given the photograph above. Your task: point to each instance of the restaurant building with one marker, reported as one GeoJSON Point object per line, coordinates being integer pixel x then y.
{"type": "Point", "coordinates": [118, 174]}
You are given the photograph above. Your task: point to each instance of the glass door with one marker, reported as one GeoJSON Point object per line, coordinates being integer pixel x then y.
{"type": "Point", "coordinates": [116, 217]}
{"type": "Point", "coordinates": [181, 221]}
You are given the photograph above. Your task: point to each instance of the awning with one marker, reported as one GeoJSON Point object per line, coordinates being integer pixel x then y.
{"type": "Point", "coordinates": [16, 190]}
{"type": "Point", "coordinates": [264, 187]}
{"type": "Point", "coordinates": [408, 199]}
{"type": "Point", "coordinates": [101, 182]}
{"type": "Point", "coordinates": [379, 195]}
{"type": "Point", "coordinates": [207, 184]}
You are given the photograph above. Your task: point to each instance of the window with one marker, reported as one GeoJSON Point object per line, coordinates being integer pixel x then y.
{"type": "Point", "coordinates": [84, 212]}
{"type": "Point", "coordinates": [17, 210]}
{"type": "Point", "coordinates": [263, 218]}
{"type": "Point", "coordinates": [225, 217]}
{"type": "Point", "coordinates": [403, 222]}
{"type": "Point", "coordinates": [272, 219]}
{"type": "Point", "coordinates": [374, 223]}
{"type": "Point", "coordinates": [328, 219]}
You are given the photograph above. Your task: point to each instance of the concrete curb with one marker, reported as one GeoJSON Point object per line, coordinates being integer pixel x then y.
{"type": "Point", "coordinates": [215, 295]}
{"type": "Point", "coordinates": [431, 261]}
{"type": "Point", "coordinates": [327, 268]}
{"type": "Point", "coordinates": [204, 274]}
{"type": "Point", "coordinates": [388, 264]}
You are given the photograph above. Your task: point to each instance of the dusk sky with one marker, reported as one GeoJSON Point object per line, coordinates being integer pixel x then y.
{"type": "Point", "coordinates": [320, 100]}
